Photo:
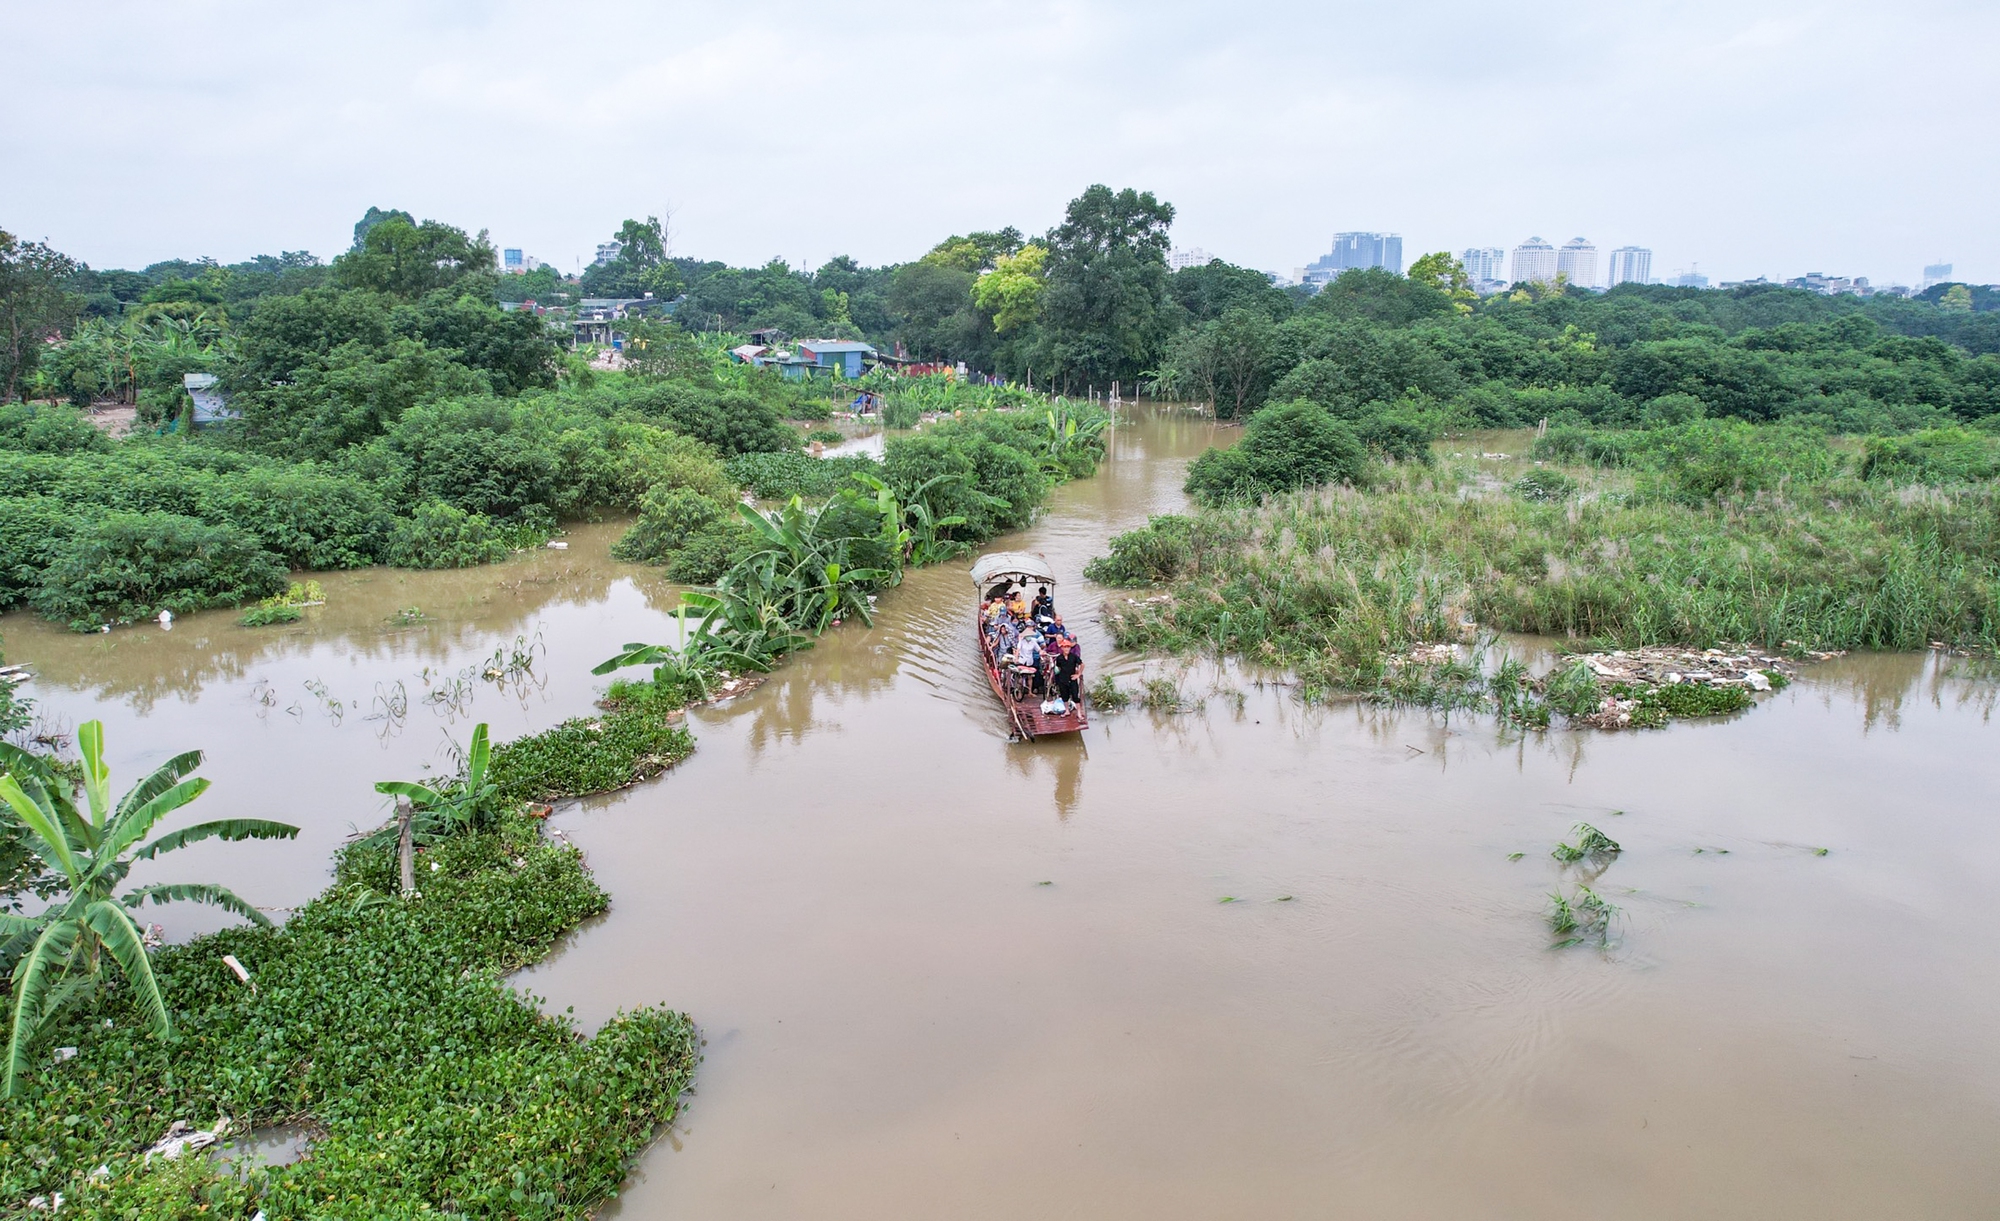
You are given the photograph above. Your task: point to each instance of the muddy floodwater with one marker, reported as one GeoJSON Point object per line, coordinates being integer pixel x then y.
{"type": "Point", "coordinates": [1259, 960]}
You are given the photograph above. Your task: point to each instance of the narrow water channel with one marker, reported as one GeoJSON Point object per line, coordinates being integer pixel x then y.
{"type": "Point", "coordinates": [1259, 960]}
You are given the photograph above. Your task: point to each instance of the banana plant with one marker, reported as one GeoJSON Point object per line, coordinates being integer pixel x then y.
{"type": "Point", "coordinates": [61, 952]}
{"type": "Point", "coordinates": [453, 805]}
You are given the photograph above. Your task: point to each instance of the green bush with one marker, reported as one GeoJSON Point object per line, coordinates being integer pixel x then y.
{"type": "Point", "coordinates": [33, 530]}
{"type": "Point", "coordinates": [308, 517]}
{"type": "Point", "coordinates": [264, 614]}
{"type": "Point", "coordinates": [994, 486]}
{"type": "Point", "coordinates": [1936, 456]}
{"type": "Point", "coordinates": [668, 518]}
{"type": "Point", "coordinates": [1290, 446]}
{"type": "Point", "coordinates": [781, 476]}
{"type": "Point", "coordinates": [1545, 485]}
{"type": "Point", "coordinates": [440, 536]}
{"type": "Point", "coordinates": [1160, 553]}
{"type": "Point", "coordinates": [1709, 458]}
{"type": "Point", "coordinates": [42, 429]}
{"type": "Point", "coordinates": [131, 566]}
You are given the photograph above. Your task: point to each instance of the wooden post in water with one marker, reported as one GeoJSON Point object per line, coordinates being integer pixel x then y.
{"type": "Point", "coordinates": [405, 852]}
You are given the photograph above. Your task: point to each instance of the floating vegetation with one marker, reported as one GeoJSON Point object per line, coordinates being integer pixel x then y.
{"type": "Point", "coordinates": [1581, 916]}
{"type": "Point", "coordinates": [1107, 696]}
{"type": "Point", "coordinates": [1590, 843]}
{"type": "Point", "coordinates": [409, 616]}
{"type": "Point", "coordinates": [1166, 695]}
{"type": "Point", "coordinates": [285, 607]}
{"type": "Point", "coordinates": [263, 615]}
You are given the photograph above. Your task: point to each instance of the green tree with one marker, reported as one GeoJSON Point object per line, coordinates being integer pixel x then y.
{"type": "Point", "coordinates": [375, 216]}
{"type": "Point", "coordinates": [1446, 274]}
{"type": "Point", "coordinates": [1012, 294]}
{"type": "Point", "coordinates": [661, 349]}
{"type": "Point", "coordinates": [62, 950]}
{"type": "Point", "coordinates": [1104, 313]}
{"type": "Point", "coordinates": [642, 265]}
{"type": "Point", "coordinates": [409, 260]}
{"type": "Point", "coordinates": [35, 305]}
{"type": "Point", "coordinates": [1957, 297]}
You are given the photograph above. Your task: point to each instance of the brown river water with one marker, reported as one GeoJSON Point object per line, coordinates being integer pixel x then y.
{"type": "Point", "coordinates": [942, 975]}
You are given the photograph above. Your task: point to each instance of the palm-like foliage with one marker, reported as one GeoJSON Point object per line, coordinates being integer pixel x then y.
{"type": "Point", "coordinates": [801, 572]}
{"type": "Point", "coordinates": [60, 952]}
{"type": "Point", "coordinates": [452, 805]}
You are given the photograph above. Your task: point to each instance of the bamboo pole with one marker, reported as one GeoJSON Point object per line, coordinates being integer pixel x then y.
{"type": "Point", "coordinates": [405, 852]}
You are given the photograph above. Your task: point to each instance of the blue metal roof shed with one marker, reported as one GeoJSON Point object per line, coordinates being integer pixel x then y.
{"type": "Point", "coordinates": [841, 355]}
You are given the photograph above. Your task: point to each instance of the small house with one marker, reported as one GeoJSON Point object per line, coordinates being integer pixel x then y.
{"type": "Point", "coordinates": [209, 405]}
{"type": "Point", "coordinates": [842, 356]}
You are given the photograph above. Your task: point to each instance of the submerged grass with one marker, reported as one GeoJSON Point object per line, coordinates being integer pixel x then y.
{"type": "Point", "coordinates": [1333, 582]}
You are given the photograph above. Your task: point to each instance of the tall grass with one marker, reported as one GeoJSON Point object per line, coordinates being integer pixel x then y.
{"type": "Point", "coordinates": [1330, 580]}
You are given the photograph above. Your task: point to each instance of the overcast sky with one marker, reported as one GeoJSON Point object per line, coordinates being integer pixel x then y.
{"type": "Point", "coordinates": [1749, 138]}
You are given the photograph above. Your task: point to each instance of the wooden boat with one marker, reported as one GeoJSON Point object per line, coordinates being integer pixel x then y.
{"type": "Point", "coordinates": [1000, 572]}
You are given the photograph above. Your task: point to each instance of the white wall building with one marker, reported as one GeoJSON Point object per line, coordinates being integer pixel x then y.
{"type": "Point", "coordinates": [1193, 256]}
{"type": "Point", "coordinates": [1576, 262]}
{"type": "Point", "coordinates": [1535, 262]}
{"type": "Point", "coordinates": [1630, 265]}
{"type": "Point", "coordinates": [1484, 263]}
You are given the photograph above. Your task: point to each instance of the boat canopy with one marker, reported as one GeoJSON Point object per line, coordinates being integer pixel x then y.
{"type": "Point", "coordinates": [989, 568]}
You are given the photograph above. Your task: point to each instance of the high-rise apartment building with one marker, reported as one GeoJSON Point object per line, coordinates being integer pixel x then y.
{"type": "Point", "coordinates": [1936, 273]}
{"type": "Point", "coordinates": [1484, 263]}
{"type": "Point", "coordinates": [1534, 262]}
{"type": "Point", "coordinates": [1630, 265]}
{"type": "Point", "coordinates": [607, 252]}
{"type": "Point", "coordinates": [511, 260]}
{"type": "Point", "coordinates": [1576, 262]}
{"type": "Point", "coordinates": [1352, 250]}
{"type": "Point", "coordinates": [1193, 256]}
{"type": "Point", "coordinates": [1691, 279]}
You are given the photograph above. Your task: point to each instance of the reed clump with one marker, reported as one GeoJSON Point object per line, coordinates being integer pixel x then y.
{"type": "Point", "coordinates": [1332, 583]}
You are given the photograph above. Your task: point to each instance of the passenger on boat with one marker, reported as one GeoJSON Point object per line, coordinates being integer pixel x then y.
{"type": "Point", "coordinates": [1066, 669]}
{"type": "Point", "coordinates": [1045, 606]}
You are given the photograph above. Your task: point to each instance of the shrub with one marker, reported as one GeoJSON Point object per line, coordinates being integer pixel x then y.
{"type": "Point", "coordinates": [309, 518]}
{"type": "Point", "coordinates": [131, 566]}
{"type": "Point", "coordinates": [267, 612]}
{"type": "Point", "coordinates": [41, 429]}
{"type": "Point", "coordinates": [994, 486]}
{"type": "Point", "coordinates": [440, 536]}
{"type": "Point", "coordinates": [1162, 552]}
{"type": "Point", "coordinates": [32, 530]}
{"type": "Point", "coordinates": [1290, 446]}
{"type": "Point", "coordinates": [826, 436]}
{"type": "Point", "coordinates": [1938, 455]}
{"type": "Point", "coordinates": [668, 518]}
{"type": "Point", "coordinates": [1708, 458]}
{"type": "Point", "coordinates": [1543, 486]}
{"type": "Point", "coordinates": [901, 413]}
{"type": "Point", "coordinates": [781, 476]}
